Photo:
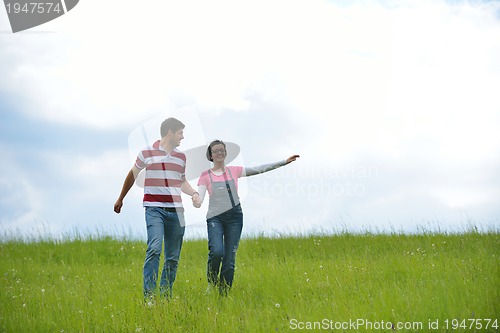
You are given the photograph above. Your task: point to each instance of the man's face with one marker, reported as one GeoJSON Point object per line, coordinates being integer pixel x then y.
{"type": "Point", "coordinates": [176, 137]}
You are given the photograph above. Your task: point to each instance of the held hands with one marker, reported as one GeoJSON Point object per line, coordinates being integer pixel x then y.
{"type": "Point", "coordinates": [292, 159]}
{"type": "Point", "coordinates": [196, 200]}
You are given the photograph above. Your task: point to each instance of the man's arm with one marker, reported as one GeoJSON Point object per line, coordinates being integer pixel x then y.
{"type": "Point", "coordinates": [189, 190]}
{"type": "Point", "coordinates": [127, 185]}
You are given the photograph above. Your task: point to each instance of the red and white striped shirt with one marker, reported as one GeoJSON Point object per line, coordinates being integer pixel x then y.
{"type": "Point", "coordinates": [164, 175]}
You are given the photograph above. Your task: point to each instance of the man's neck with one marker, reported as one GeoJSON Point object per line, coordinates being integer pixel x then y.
{"type": "Point", "coordinates": [166, 145]}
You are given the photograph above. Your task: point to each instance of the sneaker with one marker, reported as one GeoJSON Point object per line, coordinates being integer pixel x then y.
{"type": "Point", "coordinates": [210, 289]}
{"type": "Point", "coordinates": [149, 300]}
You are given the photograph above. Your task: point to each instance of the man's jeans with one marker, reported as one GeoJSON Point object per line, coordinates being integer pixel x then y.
{"type": "Point", "coordinates": [224, 233]}
{"type": "Point", "coordinates": [168, 226]}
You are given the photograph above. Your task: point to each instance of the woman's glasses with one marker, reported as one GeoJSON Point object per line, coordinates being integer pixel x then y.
{"type": "Point", "coordinates": [218, 151]}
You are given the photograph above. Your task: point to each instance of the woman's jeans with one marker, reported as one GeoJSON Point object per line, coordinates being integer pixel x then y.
{"type": "Point", "coordinates": [224, 233]}
{"type": "Point", "coordinates": [168, 225]}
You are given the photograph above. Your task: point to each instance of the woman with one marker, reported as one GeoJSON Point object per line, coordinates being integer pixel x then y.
{"type": "Point", "coordinates": [225, 217]}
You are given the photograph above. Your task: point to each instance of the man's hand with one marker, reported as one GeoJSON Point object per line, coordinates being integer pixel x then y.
{"type": "Point", "coordinates": [127, 184]}
{"type": "Point", "coordinates": [118, 206]}
{"type": "Point", "coordinates": [196, 200]}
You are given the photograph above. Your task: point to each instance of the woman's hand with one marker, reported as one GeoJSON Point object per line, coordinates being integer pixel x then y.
{"type": "Point", "coordinates": [196, 200]}
{"type": "Point", "coordinates": [292, 159]}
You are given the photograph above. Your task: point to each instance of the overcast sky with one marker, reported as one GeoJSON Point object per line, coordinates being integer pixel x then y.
{"type": "Point", "coordinates": [393, 106]}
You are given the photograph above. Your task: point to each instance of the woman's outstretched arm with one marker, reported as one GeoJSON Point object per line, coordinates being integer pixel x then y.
{"type": "Point", "coordinates": [251, 171]}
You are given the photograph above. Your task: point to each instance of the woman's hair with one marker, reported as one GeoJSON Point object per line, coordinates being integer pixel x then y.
{"type": "Point", "coordinates": [211, 145]}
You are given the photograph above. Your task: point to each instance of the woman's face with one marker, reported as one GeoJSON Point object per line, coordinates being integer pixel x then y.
{"type": "Point", "coordinates": [218, 153]}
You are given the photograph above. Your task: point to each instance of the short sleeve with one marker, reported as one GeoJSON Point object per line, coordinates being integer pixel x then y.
{"type": "Point", "coordinates": [236, 171]}
{"type": "Point", "coordinates": [204, 179]}
{"type": "Point", "coordinates": [140, 163]}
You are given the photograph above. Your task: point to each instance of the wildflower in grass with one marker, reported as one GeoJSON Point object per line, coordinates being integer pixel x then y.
{"type": "Point", "coordinates": [277, 305]}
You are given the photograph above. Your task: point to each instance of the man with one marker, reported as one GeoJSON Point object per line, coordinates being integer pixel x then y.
{"type": "Point", "coordinates": [164, 181]}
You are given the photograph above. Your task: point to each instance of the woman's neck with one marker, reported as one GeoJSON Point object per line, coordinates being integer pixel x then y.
{"type": "Point", "coordinates": [219, 167]}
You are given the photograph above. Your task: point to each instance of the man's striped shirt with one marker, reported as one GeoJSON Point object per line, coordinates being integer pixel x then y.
{"type": "Point", "coordinates": [164, 175]}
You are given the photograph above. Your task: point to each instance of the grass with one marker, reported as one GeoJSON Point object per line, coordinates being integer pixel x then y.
{"type": "Point", "coordinates": [426, 282]}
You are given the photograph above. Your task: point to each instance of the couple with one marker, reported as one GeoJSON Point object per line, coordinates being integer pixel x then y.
{"type": "Point", "coordinates": [164, 181]}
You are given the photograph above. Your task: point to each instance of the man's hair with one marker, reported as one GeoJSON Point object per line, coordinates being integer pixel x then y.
{"type": "Point", "coordinates": [211, 145]}
{"type": "Point", "coordinates": [170, 124]}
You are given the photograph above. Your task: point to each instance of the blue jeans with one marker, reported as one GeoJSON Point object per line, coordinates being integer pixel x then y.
{"type": "Point", "coordinates": [224, 232]}
{"type": "Point", "coordinates": [162, 225]}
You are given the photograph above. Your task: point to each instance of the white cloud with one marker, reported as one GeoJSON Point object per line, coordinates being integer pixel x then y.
{"type": "Point", "coordinates": [104, 71]}
{"type": "Point", "coordinates": [463, 197]}
{"type": "Point", "coordinates": [21, 204]}
{"type": "Point", "coordinates": [410, 88]}
{"type": "Point", "coordinates": [20, 201]}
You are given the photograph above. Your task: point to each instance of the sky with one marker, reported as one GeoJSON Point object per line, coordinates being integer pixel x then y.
{"type": "Point", "coordinates": [392, 105]}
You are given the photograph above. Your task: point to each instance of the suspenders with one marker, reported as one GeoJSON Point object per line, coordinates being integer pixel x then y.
{"type": "Point", "coordinates": [218, 193]}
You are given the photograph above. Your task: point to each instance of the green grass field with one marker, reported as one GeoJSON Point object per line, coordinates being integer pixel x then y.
{"type": "Point", "coordinates": [345, 283]}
